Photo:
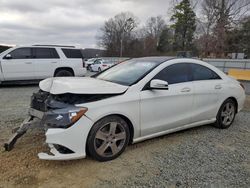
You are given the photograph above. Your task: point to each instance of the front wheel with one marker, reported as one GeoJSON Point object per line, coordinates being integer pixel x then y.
{"type": "Point", "coordinates": [226, 114]}
{"type": "Point", "coordinates": [108, 138]}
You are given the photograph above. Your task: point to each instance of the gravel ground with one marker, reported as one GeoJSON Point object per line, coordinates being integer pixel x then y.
{"type": "Point", "coordinates": [198, 157]}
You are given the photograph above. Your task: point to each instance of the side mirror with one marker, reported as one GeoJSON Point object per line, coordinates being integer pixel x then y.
{"type": "Point", "coordinates": [158, 84]}
{"type": "Point", "coordinates": [8, 56]}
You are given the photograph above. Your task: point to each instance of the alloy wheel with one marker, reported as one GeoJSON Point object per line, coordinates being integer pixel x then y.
{"type": "Point", "coordinates": [110, 139]}
{"type": "Point", "coordinates": [228, 113]}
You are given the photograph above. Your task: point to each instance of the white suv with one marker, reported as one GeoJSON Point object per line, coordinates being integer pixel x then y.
{"type": "Point", "coordinates": [38, 62]}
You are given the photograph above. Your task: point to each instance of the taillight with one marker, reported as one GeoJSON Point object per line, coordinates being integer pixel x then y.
{"type": "Point", "coordinates": [83, 63]}
{"type": "Point", "coordinates": [242, 86]}
{"type": "Point", "coordinates": [104, 65]}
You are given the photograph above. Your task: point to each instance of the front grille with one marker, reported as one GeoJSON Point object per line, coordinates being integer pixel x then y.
{"type": "Point", "coordinates": [38, 101]}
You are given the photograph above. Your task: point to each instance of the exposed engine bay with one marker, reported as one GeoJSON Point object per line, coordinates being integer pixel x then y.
{"type": "Point", "coordinates": [44, 101]}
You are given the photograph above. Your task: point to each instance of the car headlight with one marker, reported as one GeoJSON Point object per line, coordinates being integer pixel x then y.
{"type": "Point", "coordinates": [74, 116]}
{"type": "Point", "coordinates": [63, 118]}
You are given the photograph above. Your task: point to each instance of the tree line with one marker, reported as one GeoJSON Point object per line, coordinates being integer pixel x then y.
{"type": "Point", "coordinates": [207, 28]}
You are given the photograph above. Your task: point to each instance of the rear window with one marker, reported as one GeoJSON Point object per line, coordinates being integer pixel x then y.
{"type": "Point", "coordinates": [45, 53]}
{"type": "Point", "coordinates": [203, 73]}
{"type": "Point", "coordinates": [72, 53]}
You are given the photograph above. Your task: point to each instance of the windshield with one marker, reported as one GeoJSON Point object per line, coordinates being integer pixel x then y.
{"type": "Point", "coordinates": [128, 72]}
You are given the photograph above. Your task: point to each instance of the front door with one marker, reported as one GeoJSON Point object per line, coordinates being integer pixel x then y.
{"type": "Point", "coordinates": [18, 65]}
{"type": "Point", "coordinates": [166, 109]}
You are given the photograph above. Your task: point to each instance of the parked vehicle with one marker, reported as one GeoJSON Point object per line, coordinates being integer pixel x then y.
{"type": "Point", "coordinates": [90, 62]}
{"type": "Point", "coordinates": [133, 101]}
{"type": "Point", "coordinates": [39, 62]}
{"type": "Point", "coordinates": [100, 65]}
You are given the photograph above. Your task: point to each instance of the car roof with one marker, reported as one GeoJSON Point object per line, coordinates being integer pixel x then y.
{"type": "Point", "coordinates": [155, 59]}
{"type": "Point", "coordinates": [47, 46]}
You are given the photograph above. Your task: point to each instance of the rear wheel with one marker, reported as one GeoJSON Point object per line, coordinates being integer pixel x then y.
{"type": "Point", "coordinates": [226, 114]}
{"type": "Point", "coordinates": [108, 138]}
{"type": "Point", "coordinates": [99, 69]}
{"type": "Point", "coordinates": [63, 73]}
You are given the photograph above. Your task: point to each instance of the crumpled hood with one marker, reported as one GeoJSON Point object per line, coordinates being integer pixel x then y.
{"type": "Point", "coordinates": [80, 85]}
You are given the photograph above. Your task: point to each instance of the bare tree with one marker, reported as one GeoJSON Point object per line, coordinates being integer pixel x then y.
{"type": "Point", "coordinates": [149, 35]}
{"type": "Point", "coordinates": [217, 17]}
{"type": "Point", "coordinates": [117, 32]}
{"type": "Point", "coordinates": [154, 27]}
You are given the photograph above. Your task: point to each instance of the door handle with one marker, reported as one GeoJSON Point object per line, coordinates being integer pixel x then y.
{"type": "Point", "coordinates": [218, 86]}
{"type": "Point", "coordinates": [54, 62]}
{"type": "Point", "coordinates": [186, 89]}
{"type": "Point", "coordinates": [28, 63]}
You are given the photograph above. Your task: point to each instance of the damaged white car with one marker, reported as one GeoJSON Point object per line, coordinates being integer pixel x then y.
{"type": "Point", "coordinates": [133, 101]}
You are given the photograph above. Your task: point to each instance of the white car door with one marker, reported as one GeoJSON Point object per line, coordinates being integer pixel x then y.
{"type": "Point", "coordinates": [166, 109]}
{"type": "Point", "coordinates": [94, 66]}
{"type": "Point", "coordinates": [207, 84]}
{"type": "Point", "coordinates": [46, 62]}
{"type": "Point", "coordinates": [18, 65]}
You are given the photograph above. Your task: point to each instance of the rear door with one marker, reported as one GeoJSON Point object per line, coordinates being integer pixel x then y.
{"type": "Point", "coordinates": [207, 84]}
{"type": "Point", "coordinates": [20, 65]}
{"type": "Point", "coordinates": [166, 109]}
{"type": "Point", "coordinates": [46, 61]}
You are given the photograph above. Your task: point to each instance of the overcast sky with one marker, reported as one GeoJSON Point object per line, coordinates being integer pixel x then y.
{"type": "Point", "coordinates": [74, 22]}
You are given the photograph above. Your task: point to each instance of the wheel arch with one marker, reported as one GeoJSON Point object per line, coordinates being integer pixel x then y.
{"type": "Point", "coordinates": [64, 68]}
{"type": "Point", "coordinates": [130, 125]}
{"type": "Point", "coordinates": [235, 101]}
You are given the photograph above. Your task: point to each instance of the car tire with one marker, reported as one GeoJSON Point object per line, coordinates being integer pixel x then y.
{"type": "Point", "coordinates": [108, 138]}
{"type": "Point", "coordinates": [90, 69]}
{"type": "Point", "coordinates": [63, 73]}
{"type": "Point", "coordinates": [226, 114]}
{"type": "Point", "coordinates": [99, 69]}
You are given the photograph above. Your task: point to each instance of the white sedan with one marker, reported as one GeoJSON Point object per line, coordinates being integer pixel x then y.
{"type": "Point", "coordinates": [133, 101]}
{"type": "Point", "coordinates": [100, 65]}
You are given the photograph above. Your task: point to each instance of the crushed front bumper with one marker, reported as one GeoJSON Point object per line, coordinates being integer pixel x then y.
{"type": "Point", "coordinates": [64, 144]}
{"type": "Point", "coordinates": [73, 139]}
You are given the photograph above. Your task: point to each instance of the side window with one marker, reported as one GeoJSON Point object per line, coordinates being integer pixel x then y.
{"type": "Point", "coordinates": [72, 53]}
{"type": "Point", "coordinates": [45, 53]}
{"type": "Point", "coordinates": [21, 53]}
{"type": "Point", "coordinates": [203, 73]}
{"type": "Point", "coordinates": [174, 74]}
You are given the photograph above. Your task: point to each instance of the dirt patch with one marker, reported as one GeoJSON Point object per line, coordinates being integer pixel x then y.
{"type": "Point", "coordinates": [196, 157]}
{"type": "Point", "coordinates": [29, 170]}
